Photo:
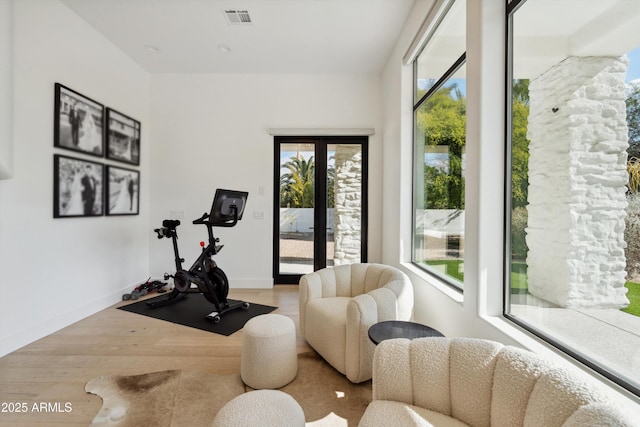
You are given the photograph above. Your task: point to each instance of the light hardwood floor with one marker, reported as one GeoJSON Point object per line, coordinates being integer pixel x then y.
{"type": "Point", "coordinates": [54, 369]}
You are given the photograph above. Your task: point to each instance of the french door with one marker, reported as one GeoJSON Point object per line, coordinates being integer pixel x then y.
{"type": "Point", "coordinates": [320, 204]}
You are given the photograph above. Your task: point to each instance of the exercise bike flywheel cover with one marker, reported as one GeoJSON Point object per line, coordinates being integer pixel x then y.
{"type": "Point", "coordinates": [181, 282]}
{"type": "Point", "coordinates": [217, 287]}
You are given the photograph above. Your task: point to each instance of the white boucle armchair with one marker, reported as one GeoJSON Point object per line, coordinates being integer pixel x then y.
{"type": "Point", "coordinates": [472, 382]}
{"type": "Point", "coordinates": [339, 304]}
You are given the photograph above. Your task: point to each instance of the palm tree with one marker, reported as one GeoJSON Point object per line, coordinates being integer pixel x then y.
{"type": "Point", "coordinates": [633, 169]}
{"type": "Point", "coordinates": [331, 179]}
{"type": "Point", "coordinates": [296, 187]}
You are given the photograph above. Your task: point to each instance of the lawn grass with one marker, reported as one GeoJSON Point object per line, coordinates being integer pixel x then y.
{"type": "Point", "coordinates": [634, 298]}
{"type": "Point", "coordinates": [452, 267]}
{"type": "Point", "coordinates": [519, 277]}
{"type": "Point", "coordinates": [519, 281]}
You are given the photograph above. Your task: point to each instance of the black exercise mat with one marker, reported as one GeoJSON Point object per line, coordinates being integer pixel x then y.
{"type": "Point", "coordinates": [192, 311]}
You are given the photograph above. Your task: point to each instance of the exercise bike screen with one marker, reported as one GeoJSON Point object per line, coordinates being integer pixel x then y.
{"type": "Point", "coordinates": [223, 201]}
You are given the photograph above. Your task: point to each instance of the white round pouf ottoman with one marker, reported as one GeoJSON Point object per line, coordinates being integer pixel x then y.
{"type": "Point", "coordinates": [269, 358]}
{"type": "Point", "coordinates": [260, 408]}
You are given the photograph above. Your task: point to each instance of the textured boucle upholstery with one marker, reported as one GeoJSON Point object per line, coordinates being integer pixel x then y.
{"type": "Point", "coordinates": [339, 304]}
{"type": "Point", "coordinates": [377, 414]}
{"type": "Point", "coordinates": [261, 408]}
{"type": "Point", "coordinates": [269, 358]}
{"type": "Point", "coordinates": [464, 381]}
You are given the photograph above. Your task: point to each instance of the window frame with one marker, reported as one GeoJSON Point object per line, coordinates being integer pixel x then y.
{"type": "Point", "coordinates": [320, 144]}
{"type": "Point", "coordinates": [511, 7]}
{"type": "Point", "coordinates": [450, 72]}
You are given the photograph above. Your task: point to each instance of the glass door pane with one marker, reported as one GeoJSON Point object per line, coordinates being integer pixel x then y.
{"type": "Point", "coordinates": [439, 180]}
{"type": "Point", "coordinates": [320, 200]}
{"type": "Point", "coordinates": [344, 204]}
{"type": "Point", "coordinates": [297, 175]}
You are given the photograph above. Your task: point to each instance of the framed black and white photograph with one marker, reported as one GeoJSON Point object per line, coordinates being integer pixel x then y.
{"type": "Point", "coordinates": [78, 187]}
{"type": "Point", "coordinates": [123, 195]}
{"type": "Point", "coordinates": [78, 122]}
{"type": "Point", "coordinates": [123, 138]}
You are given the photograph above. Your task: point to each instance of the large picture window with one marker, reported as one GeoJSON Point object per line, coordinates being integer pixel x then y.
{"type": "Point", "coordinates": [573, 217]}
{"type": "Point", "coordinates": [439, 148]}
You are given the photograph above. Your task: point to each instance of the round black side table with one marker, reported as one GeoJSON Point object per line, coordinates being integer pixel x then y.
{"type": "Point", "coordinates": [400, 329]}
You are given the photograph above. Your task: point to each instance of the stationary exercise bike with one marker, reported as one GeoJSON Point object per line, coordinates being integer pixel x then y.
{"type": "Point", "coordinates": [209, 279]}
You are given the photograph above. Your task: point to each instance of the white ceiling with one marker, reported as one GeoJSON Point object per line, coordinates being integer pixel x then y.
{"type": "Point", "coordinates": [548, 31]}
{"type": "Point", "coordinates": [286, 36]}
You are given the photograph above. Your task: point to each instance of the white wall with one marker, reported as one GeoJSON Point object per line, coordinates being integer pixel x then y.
{"type": "Point", "coordinates": [57, 271]}
{"type": "Point", "coordinates": [477, 313]}
{"type": "Point", "coordinates": [435, 305]}
{"type": "Point", "coordinates": [6, 89]}
{"type": "Point", "coordinates": [210, 131]}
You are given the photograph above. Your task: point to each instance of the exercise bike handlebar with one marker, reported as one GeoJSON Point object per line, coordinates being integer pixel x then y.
{"type": "Point", "coordinates": [202, 219]}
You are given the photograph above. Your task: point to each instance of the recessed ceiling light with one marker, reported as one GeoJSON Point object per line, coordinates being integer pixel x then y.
{"type": "Point", "coordinates": [151, 48]}
{"type": "Point", "coordinates": [224, 48]}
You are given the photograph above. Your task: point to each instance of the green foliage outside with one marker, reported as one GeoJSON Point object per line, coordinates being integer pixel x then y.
{"type": "Point", "coordinates": [331, 190]}
{"type": "Point", "coordinates": [442, 121]}
{"type": "Point", "coordinates": [519, 248]}
{"type": "Point", "coordinates": [633, 168]}
{"type": "Point", "coordinates": [632, 221]}
{"type": "Point", "coordinates": [297, 185]}
{"type": "Point", "coordinates": [633, 121]}
{"type": "Point", "coordinates": [519, 168]}
{"type": "Point", "coordinates": [632, 237]}
{"type": "Point", "coordinates": [520, 144]}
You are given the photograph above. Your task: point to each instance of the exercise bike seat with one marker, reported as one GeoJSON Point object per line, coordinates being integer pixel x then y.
{"type": "Point", "coordinates": [171, 223]}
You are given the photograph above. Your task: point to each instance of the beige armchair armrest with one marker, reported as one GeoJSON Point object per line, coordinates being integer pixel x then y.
{"type": "Point", "coordinates": [310, 287]}
{"type": "Point", "coordinates": [391, 302]}
{"type": "Point", "coordinates": [392, 371]}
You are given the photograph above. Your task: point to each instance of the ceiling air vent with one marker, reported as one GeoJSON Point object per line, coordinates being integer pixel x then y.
{"type": "Point", "coordinates": [237, 17]}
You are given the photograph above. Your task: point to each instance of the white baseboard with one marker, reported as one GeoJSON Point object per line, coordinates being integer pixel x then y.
{"type": "Point", "coordinates": [250, 283]}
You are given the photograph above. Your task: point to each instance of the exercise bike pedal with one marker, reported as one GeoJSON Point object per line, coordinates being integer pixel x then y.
{"type": "Point", "coordinates": [214, 316]}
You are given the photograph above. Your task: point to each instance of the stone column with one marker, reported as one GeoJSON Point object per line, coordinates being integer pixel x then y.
{"type": "Point", "coordinates": [577, 176]}
{"type": "Point", "coordinates": [348, 204]}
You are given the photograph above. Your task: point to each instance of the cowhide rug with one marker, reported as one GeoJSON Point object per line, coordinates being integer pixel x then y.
{"type": "Point", "coordinates": [193, 398]}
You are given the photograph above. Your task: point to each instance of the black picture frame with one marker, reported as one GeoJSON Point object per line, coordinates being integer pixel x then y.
{"type": "Point", "coordinates": [123, 137]}
{"type": "Point", "coordinates": [78, 187]}
{"type": "Point", "coordinates": [78, 122]}
{"type": "Point", "coordinates": [123, 191]}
